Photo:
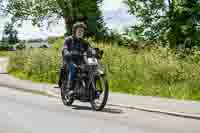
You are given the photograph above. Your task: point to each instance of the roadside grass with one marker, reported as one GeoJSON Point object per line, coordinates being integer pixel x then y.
{"type": "Point", "coordinates": [39, 65]}
{"type": "Point", "coordinates": [4, 53]}
{"type": "Point", "coordinates": [148, 72]}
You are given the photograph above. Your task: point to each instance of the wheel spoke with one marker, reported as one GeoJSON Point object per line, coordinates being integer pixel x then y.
{"type": "Point", "coordinates": [101, 94]}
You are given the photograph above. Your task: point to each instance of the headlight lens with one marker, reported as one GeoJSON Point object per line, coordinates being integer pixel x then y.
{"type": "Point", "coordinates": [92, 61]}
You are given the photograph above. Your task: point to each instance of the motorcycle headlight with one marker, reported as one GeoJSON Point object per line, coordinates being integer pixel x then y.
{"type": "Point", "coordinates": [92, 61]}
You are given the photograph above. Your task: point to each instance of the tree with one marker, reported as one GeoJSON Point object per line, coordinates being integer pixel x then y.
{"type": "Point", "coordinates": [188, 18]}
{"type": "Point", "coordinates": [51, 10]}
{"type": "Point", "coordinates": [21, 45]}
{"type": "Point", "coordinates": [10, 34]}
{"type": "Point", "coordinates": [169, 21]}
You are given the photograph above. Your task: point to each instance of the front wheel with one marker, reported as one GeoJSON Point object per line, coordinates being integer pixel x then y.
{"type": "Point", "coordinates": [67, 100]}
{"type": "Point", "coordinates": [99, 93]}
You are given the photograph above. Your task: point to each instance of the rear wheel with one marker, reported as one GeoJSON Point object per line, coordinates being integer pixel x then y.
{"type": "Point", "coordinates": [99, 95]}
{"type": "Point", "coordinates": [67, 100]}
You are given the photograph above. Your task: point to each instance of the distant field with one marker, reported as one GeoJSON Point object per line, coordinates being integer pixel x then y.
{"type": "Point", "coordinates": [30, 44]}
{"type": "Point", "coordinates": [35, 44]}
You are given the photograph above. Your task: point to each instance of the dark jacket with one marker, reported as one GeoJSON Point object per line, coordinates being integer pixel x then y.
{"type": "Point", "coordinates": [73, 44]}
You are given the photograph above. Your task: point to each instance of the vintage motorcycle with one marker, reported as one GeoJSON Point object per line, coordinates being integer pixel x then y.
{"type": "Point", "coordinates": [90, 84]}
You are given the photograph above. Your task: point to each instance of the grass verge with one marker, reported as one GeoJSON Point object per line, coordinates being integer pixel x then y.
{"type": "Point", "coordinates": [4, 53]}
{"type": "Point", "coordinates": [148, 72]}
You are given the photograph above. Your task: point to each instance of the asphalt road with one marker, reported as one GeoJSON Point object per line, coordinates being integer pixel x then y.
{"type": "Point", "coordinates": [28, 113]}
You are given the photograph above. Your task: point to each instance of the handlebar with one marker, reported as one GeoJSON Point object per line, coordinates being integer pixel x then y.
{"type": "Point", "coordinates": [78, 53]}
{"type": "Point", "coordinates": [92, 52]}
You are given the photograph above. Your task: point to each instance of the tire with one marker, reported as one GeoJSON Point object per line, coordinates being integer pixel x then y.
{"type": "Point", "coordinates": [101, 105]}
{"type": "Point", "coordinates": [67, 101]}
{"type": "Point", "coordinates": [61, 75]}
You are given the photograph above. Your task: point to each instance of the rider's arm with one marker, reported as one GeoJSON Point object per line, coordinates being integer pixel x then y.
{"type": "Point", "coordinates": [66, 48]}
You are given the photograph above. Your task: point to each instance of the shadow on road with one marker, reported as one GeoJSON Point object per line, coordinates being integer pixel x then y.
{"type": "Point", "coordinates": [106, 110]}
{"type": "Point", "coordinates": [56, 87]}
{"type": "Point", "coordinates": [3, 73]}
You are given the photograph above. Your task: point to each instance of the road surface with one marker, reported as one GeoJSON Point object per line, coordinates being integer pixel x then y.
{"type": "Point", "coordinates": [22, 112]}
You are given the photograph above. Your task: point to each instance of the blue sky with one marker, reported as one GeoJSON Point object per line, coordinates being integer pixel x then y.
{"type": "Point", "coordinates": [114, 12]}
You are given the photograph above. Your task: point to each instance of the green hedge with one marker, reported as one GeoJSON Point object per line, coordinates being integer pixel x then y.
{"type": "Point", "coordinates": [5, 47]}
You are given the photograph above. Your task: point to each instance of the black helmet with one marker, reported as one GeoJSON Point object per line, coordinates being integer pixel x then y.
{"type": "Point", "coordinates": [78, 25]}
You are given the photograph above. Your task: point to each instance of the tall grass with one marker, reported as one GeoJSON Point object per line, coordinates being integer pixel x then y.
{"type": "Point", "coordinates": [4, 53]}
{"type": "Point", "coordinates": [155, 72]}
{"type": "Point", "coordinates": [36, 64]}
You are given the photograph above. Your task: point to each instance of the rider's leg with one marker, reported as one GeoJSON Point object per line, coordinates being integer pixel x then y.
{"type": "Point", "coordinates": [71, 76]}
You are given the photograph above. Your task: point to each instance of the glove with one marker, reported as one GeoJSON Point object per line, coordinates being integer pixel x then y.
{"type": "Point", "coordinates": [75, 53]}
{"type": "Point", "coordinates": [66, 52]}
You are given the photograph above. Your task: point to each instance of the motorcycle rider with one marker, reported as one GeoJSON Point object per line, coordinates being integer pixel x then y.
{"type": "Point", "coordinates": [73, 45]}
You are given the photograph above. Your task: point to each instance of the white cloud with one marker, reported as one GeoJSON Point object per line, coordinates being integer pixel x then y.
{"type": "Point", "coordinates": [112, 4]}
{"type": "Point", "coordinates": [116, 15]}
{"type": "Point", "coordinates": [29, 31]}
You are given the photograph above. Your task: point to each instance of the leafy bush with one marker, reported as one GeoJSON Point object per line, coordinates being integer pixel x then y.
{"type": "Point", "coordinates": [21, 46]}
{"type": "Point", "coordinates": [44, 46]}
{"type": "Point", "coordinates": [5, 46]}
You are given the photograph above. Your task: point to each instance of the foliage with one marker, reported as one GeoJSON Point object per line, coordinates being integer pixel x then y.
{"type": "Point", "coordinates": [114, 38]}
{"type": "Point", "coordinates": [9, 34]}
{"type": "Point", "coordinates": [171, 21]}
{"type": "Point", "coordinates": [5, 47]}
{"type": "Point", "coordinates": [51, 40]}
{"type": "Point", "coordinates": [21, 45]}
{"type": "Point", "coordinates": [70, 10]}
{"type": "Point", "coordinates": [43, 46]}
